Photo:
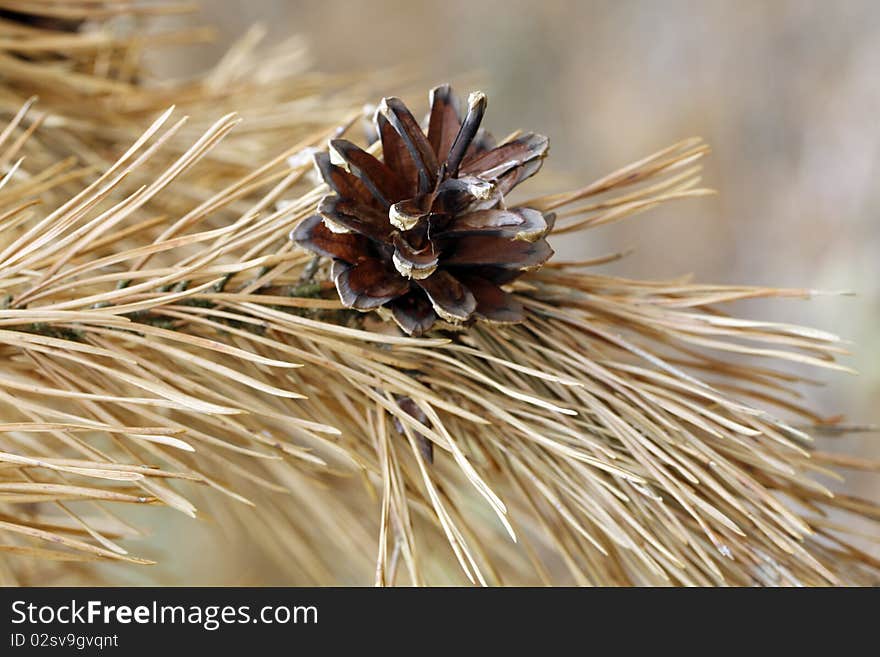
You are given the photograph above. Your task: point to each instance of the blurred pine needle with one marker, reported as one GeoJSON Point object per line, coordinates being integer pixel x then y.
{"type": "Point", "coordinates": [163, 342]}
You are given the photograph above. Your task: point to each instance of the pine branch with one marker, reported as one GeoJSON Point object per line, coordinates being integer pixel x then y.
{"type": "Point", "coordinates": [165, 343]}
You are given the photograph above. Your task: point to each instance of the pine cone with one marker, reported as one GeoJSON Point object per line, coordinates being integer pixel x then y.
{"type": "Point", "coordinates": [425, 233]}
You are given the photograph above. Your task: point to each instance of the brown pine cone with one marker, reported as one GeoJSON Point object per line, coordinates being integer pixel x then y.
{"type": "Point", "coordinates": [425, 233]}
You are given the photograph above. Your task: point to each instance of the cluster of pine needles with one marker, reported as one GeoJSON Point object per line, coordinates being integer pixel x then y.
{"type": "Point", "coordinates": [164, 343]}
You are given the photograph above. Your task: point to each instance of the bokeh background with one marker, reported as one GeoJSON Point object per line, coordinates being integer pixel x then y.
{"type": "Point", "coordinates": [787, 93]}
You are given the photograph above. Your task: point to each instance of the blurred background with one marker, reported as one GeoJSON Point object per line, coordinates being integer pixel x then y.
{"type": "Point", "coordinates": [786, 92]}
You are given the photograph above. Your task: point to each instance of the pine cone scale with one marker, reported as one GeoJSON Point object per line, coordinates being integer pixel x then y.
{"type": "Point", "coordinates": [354, 217]}
{"type": "Point", "coordinates": [443, 122]}
{"type": "Point", "coordinates": [376, 176]}
{"type": "Point", "coordinates": [497, 251]}
{"type": "Point", "coordinates": [414, 263]}
{"type": "Point", "coordinates": [413, 313]}
{"type": "Point", "coordinates": [343, 183]}
{"type": "Point", "coordinates": [464, 141]}
{"type": "Point", "coordinates": [493, 164]}
{"type": "Point", "coordinates": [313, 234]}
{"type": "Point", "coordinates": [519, 224]}
{"type": "Point", "coordinates": [368, 284]}
{"type": "Point", "coordinates": [413, 139]}
{"type": "Point", "coordinates": [493, 303]}
{"type": "Point", "coordinates": [451, 300]}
